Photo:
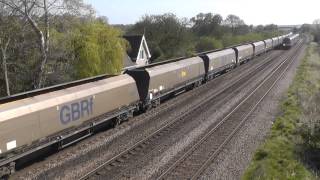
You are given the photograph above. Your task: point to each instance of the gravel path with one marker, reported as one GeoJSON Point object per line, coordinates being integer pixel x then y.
{"type": "Point", "coordinates": [233, 161]}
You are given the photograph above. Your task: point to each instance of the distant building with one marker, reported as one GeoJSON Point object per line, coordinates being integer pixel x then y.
{"type": "Point", "coordinates": [138, 54]}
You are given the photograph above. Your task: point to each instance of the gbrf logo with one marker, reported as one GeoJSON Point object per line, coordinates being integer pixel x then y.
{"type": "Point", "coordinates": [76, 111]}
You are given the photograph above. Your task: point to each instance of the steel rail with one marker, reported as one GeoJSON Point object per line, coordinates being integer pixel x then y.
{"type": "Point", "coordinates": [170, 122]}
{"type": "Point", "coordinates": [208, 134]}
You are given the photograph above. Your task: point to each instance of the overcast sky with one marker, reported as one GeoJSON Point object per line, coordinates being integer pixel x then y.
{"type": "Point", "coordinates": [281, 12]}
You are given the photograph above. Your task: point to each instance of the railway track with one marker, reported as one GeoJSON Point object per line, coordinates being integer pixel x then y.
{"type": "Point", "coordinates": [113, 164]}
{"type": "Point", "coordinates": [196, 159]}
{"type": "Point", "coordinates": [158, 115]}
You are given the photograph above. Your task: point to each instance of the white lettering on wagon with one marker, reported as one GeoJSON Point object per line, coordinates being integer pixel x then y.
{"type": "Point", "coordinates": [76, 111]}
{"type": "Point", "coordinates": [11, 145]}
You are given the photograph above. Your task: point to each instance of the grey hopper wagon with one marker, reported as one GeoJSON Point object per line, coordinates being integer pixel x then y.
{"type": "Point", "coordinates": [275, 42]}
{"type": "Point", "coordinates": [268, 43]}
{"type": "Point", "coordinates": [31, 120]}
{"type": "Point", "coordinates": [219, 61]}
{"type": "Point", "coordinates": [158, 81]}
{"type": "Point", "coordinates": [259, 48]}
{"type": "Point", "coordinates": [244, 53]}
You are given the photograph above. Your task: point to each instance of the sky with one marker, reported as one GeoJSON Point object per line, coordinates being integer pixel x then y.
{"type": "Point", "coordinates": [256, 12]}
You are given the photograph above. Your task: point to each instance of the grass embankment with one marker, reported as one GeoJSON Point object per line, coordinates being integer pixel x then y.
{"type": "Point", "coordinates": [292, 149]}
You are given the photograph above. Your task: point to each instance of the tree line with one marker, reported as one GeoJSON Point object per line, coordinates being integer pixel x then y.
{"type": "Point", "coordinates": [169, 36]}
{"type": "Point", "coordinates": [313, 29]}
{"type": "Point", "coordinates": [48, 42]}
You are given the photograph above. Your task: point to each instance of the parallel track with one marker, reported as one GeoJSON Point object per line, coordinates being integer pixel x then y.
{"type": "Point", "coordinates": [195, 160]}
{"type": "Point", "coordinates": [168, 108]}
{"type": "Point", "coordinates": [103, 169]}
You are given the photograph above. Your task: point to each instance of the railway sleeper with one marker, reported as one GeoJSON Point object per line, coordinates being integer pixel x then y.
{"type": "Point", "coordinates": [155, 103]}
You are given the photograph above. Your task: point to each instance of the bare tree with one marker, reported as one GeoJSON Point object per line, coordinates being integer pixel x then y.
{"type": "Point", "coordinates": [37, 14]}
{"type": "Point", "coordinates": [6, 26]}
{"type": "Point", "coordinates": [4, 46]}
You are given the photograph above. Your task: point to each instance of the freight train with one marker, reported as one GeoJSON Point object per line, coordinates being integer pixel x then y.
{"type": "Point", "coordinates": [290, 41]}
{"type": "Point", "coordinates": [59, 116]}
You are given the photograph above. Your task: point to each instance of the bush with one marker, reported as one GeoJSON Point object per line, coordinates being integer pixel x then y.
{"type": "Point", "coordinates": [295, 135]}
{"type": "Point", "coordinates": [167, 35]}
{"type": "Point", "coordinates": [207, 44]}
{"type": "Point", "coordinates": [260, 154]}
{"type": "Point", "coordinates": [309, 128]}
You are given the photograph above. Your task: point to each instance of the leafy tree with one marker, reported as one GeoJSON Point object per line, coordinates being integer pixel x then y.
{"type": "Point", "coordinates": [207, 44]}
{"type": "Point", "coordinates": [259, 29]}
{"type": "Point", "coordinates": [316, 32]}
{"type": "Point", "coordinates": [271, 28]}
{"type": "Point", "coordinates": [233, 21]}
{"type": "Point", "coordinates": [80, 45]}
{"type": "Point", "coordinates": [98, 49]}
{"type": "Point", "coordinates": [230, 40]}
{"type": "Point", "coordinates": [241, 30]}
{"type": "Point", "coordinates": [267, 31]}
{"type": "Point", "coordinates": [306, 28]}
{"type": "Point", "coordinates": [207, 24]}
{"type": "Point", "coordinates": [37, 13]}
{"type": "Point", "coordinates": [71, 31]}
{"type": "Point", "coordinates": [167, 35]}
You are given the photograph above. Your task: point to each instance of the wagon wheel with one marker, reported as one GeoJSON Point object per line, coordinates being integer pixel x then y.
{"type": "Point", "coordinates": [116, 122]}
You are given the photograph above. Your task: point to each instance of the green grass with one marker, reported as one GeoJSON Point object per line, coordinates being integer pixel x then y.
{"type": "Point", "coordinates": [279, 157]}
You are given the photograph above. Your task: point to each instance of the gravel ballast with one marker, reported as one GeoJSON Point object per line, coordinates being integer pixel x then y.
{"type": "Point", "coordinates": [233, 161]}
